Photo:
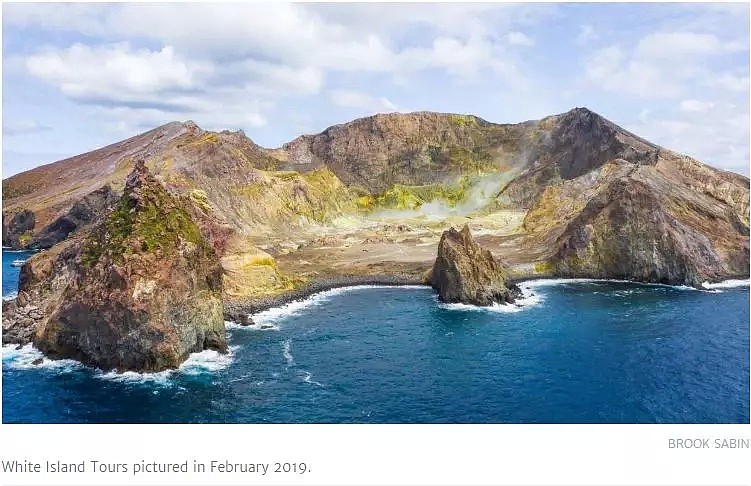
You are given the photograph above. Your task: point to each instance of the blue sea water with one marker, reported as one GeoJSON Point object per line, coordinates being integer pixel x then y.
{"type": "Point", "coordinates": [10, 273]}
{"type": "Point", "coordinates": [576, 352]}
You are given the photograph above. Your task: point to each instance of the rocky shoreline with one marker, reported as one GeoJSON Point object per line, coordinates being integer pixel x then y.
{"type": "Point", "coordinates": [238, 310]}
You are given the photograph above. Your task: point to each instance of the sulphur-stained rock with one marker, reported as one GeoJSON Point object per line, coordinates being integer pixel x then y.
{"type": "Point", "coordinates": [145, 291]}
{"type": "Point", "coordinates": [464, 272]}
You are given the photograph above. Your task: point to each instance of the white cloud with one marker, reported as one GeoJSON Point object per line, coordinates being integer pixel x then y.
{"type": "Point", "coordinates": [696, 106]}
{"type": "Point", "coordinates": [267, 78]}
{"type": "Point", "coordinates": [713, 132]}
{"type": "Point", "coordinates": [266, 52]}
{"type": "Point", "coordinates": [586, 35]}
{"type": "Point", "coordinates": [675, 47]}
{"type": "Point", "coordinates": [662, 65]}
{"type": "Point", "coordinates": [298, 36]}
{"type": "Point", "coordinates": [465, 60]}
{"type": "Point", "coordinates": [114, 71]}
{"type": "Point", "coordinates": [247, 65]}
{"type": "Point", "coordinates": [24, 127]}
{"type": "Point", "coordinates": [362, 101]}
{"type": "Point", "coordinates": [729, 82]}
{"type": "Point", "coordinates": [87, 18]}
{"type": "Point", "coordinates": [519, 39]}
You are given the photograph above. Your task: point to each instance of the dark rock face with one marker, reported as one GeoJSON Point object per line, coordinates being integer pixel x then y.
{"type": "Point", "coordinates": [464, 272]}
{"type": "Point", "coordinates": [140, 292]}
{"type": "Point", "coordinates": [625, 233]}
{"type": "Point", "coordinates": [42, 281]}
{"type": "Point", "coordinates": [17, 228]}
{"type": "Point", "coordinates": [583, 140]}
{"type": "Point", "coordinates": [89, 209]}
{"type": "Point", "coordinates": [573, 144]}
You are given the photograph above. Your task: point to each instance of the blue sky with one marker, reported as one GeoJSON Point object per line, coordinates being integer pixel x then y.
{"type": "Point", "coordinates": [80, 76]}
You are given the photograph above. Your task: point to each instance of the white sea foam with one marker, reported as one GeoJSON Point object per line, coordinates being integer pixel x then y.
{"type": "Point", "coordinates": [531, 295]}
{"type": "Point", "coordinates": [134, 377]}
{"type": "Point", "coordinates": [287, 352]}
{"type": "Point", "coordinates": [549, 282]}
{"type": "Point", "coordinates": [727, 284]}
{"type": "Point", "coordinates": [23, 359]}
{"type": "Point", "coordinates": [256, 326]}
{"type": "Point", "coordinates": [207, 361]}
{"type": "Point", "coordinates": [307, 377]}
{"type": "Point", "coordinates": [10, 296]}
{"type": "Point", "coordinates": [275, 314]}
{"type": "Point", "coordinates": [528, 299]}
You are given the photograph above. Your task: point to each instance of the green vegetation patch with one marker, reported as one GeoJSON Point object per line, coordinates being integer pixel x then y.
{"type": "Point", "coordinates": [157, 224]}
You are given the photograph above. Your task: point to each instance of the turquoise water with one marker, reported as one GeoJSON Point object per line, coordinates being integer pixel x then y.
{"type": "Point", "coordinates": [576, 352]}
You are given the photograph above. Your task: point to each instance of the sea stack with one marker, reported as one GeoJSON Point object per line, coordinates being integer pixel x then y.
{"type": "Point", "coordinates": [144, 290]}
{"type": "Point", "coordinates": [464, 272]}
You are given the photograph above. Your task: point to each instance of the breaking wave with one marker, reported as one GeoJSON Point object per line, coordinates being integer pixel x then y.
{"type": "Point", "coordinates": [275, 314]}
{"type": "Point", "coordinates": [727, 284]}
{"type": "Point", "coordinates": [548, 282]}
{"type": "Point", "coordinates": [28, 357]}
{"type": "Point", "coordinates": [256, 326]}
{"type": "Point", "coordinates": [527, 300]}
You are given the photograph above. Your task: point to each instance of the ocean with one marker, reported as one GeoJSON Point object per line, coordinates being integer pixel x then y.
{"type": "Point", "coordinates": [577, 351]}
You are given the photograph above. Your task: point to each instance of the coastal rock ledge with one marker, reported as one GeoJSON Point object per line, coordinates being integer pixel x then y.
{"type": "Point", "coordinates": [465, 273]}
{"type": "Point", "coordinates": [140, 292]}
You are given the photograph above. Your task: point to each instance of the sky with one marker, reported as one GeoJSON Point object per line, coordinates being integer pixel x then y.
{"type": "Point", "coordinates": [80, 76]}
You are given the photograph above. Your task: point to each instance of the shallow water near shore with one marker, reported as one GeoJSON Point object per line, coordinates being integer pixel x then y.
{"type": "Point", "coordinates": [574, 352]}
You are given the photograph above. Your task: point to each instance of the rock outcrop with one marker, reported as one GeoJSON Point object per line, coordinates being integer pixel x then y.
{"type": "Point", "coordinates": [42, 281]}
{"type": "Point", "coordinates": [141, 291]}
{"type": "Point", "coordinates": [464, 272]}
{"type": "Point", "coordinates": [17, 228]}
{"type": "Point", "coordinates": [624, 233]}
{"type": "Point", "coordinates": [88, 210]}
{"type": "Point", "coordinates": [644, 223]}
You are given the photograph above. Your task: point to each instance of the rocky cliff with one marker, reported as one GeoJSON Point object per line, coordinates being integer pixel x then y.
{"type": "Point", "coordinates": [377, 152]}
{"type": "Point", "coordinates": [140, 291]}
{"type": "Point", "coordinates": [464, 272]}
{"type": "Point", "coordinates": [17, 228]}
{"type": "Point", "coordinates": [88, 210]}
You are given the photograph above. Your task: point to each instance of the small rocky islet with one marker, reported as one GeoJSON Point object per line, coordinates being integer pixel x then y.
{"type": "Point", "coordinates": [465, 273]}
{"type": "Point", "coordinates": [149, 244]}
